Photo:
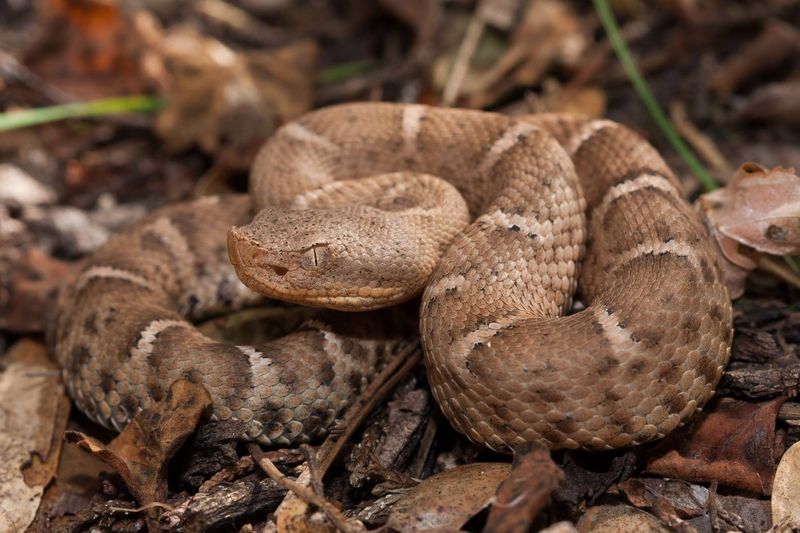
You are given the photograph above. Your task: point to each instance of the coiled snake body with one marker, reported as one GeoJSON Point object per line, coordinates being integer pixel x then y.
{"type": "Point", "coordinates": [504, 364]}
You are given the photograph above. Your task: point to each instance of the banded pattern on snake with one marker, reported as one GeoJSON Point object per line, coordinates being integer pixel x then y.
{"type": "Point", "coordinates": [504, 364]}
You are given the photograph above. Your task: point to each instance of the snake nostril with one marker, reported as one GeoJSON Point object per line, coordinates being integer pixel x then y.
{"type": "Point", "coordinates": [279, 270]}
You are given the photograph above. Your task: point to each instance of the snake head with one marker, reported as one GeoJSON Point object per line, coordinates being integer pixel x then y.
{"type": "Point", "coordinates": [339, 258]}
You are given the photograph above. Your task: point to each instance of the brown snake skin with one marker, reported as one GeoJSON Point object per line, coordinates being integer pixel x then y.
{"type": "Point", "coordinates": [504, 365]}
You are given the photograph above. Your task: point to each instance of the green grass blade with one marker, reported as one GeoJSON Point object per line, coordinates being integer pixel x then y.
{"type": "Point", "coordinates": [125, 104]}
{"type": "Point", "coordinates": [643, 90]}
{"type": "Point", "coordinates": [344, 71]}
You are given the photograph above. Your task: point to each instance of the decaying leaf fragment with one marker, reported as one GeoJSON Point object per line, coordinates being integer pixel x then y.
{"type": "Point", "coordinates": [526, 491]}
{"type": "Point", "coordinates": [758, 210]}
{"type": "Point", "coordinates": [447, 500]}
{"type": "Point", "coordinates": [786, 490]}
{"type": "Point", "coordinates": [547, 33]}
{"type": "Point", "coordinates": [33, 414]}
{"type": "Point", "coordinates": [618, 519]}
{"type": "Point", "coordinates": [732, 442]}
{"type": "Point", "coordinates": [220, 97]}
{"type": "Point", "coordinates": [142, 451]}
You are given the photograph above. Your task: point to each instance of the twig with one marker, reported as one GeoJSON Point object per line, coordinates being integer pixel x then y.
{"type": "Point", "coordinates": [353, 86]}
{"type": "Point", "coordinates": [397, 369]}
{"type": "Point", "coordinates": [462, 59]}
{"type": "Point", "coordinates": [771, 265]}
{"type": "Point", "coordinates": [702, 143]}
{"type": "Point", "coordinates": [400, 366]}
{"type": "Point", "coordinates": [643, 90]}
{"type": "Point", "coordinates": [304, 493]}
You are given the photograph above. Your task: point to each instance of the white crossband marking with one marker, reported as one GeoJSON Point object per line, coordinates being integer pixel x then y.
{"type": "Point", "coordinates": [108, 272]}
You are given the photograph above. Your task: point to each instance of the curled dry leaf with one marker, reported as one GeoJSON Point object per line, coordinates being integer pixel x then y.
{"type": "Point", "coordinates": [732, 442]}
{"type": "Point", "coordinates": [142, 451]}
{"type": "Point", "coordinates": [33, 414]}
{"type": "Point", "coordinates": [785, 490]}
{"type": "Point", "coordinates": [619, 519]}
{"type": "Point", "coordinates": [777, 41]}
{"type": "Point", "coordinates": [88, 49]}
{"type": "Point", "coordinates": [548, 33]}
{"type": "Point", "coordinates": [759, 209]}
{"type": "Point", "coordinates": [526, 491]}
{"type": "Point", "coordinates": [223, 98]}
{"type": "Point", "coordinates": [683, 506]}
{"type": "Point", "coordinates": [447, 500]}
{"type": "Point", "coordinates": [775, 102]}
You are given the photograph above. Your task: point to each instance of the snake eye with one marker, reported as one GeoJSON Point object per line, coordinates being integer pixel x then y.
{"type": "Point", "coordinates": [316, 257]}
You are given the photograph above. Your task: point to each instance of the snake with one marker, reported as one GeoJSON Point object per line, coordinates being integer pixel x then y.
{"type": "Point", "coordinates": [570, 295]}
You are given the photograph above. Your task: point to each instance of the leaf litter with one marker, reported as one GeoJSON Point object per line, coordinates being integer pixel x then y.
{"type": "Point", "coordinates": [230, 74]}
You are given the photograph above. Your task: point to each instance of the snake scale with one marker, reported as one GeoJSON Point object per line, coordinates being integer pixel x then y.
{"type": "Point", "coordinates": [349, 190]}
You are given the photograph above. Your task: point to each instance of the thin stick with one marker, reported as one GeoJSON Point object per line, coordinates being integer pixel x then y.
{"type": "Point", "coordinates": [462, 59]}
{"type": "Point", "coordinates": [400, 366]}
{"type": "Point", "coordinates": [771, 265]}
{"type": "Point", "coordinates": [304, 493]}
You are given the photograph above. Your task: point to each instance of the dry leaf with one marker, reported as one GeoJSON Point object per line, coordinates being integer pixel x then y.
{"type": "Point", "coordinates": [759, 209]}
{"type": "Point", "coordinates": [447, 500]}
{"type": "Point", "coordinates": [89, 49]}
{"type": "Point", "coordinates": [33, 414]}
{"type": "Point", "coordinates": [619, 519]}
{"type": "Point", "coordinates": [140, 454]}
{"type": "Point", "coordinates": [732, 442]}
{"type": "Point", "coordinates": [220, 98]}
{"type": "Point", "coordinates": [527, 490]}
{"type": "Point", "coordinates": [548, 33]}
{"type": "Point", "coordinates": [786, 490]}
{"type": "Point", "coordinates": [777, 41]}
{"type": "Point", "coordinates": [774, 102]}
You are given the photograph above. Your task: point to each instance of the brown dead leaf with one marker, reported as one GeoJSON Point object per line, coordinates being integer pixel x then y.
{"type": "Point", "coordinates": [777, 41]}
{"type": "Point", "coordinates": [619, 519]}
{"type": "Point", "coordinates": [140, 454]}
{"type": "Point", "coordinates": [423, 16]}
{"type": "Point", "coordinates": [295, 517]}
{"type": "Point", "coordinates": [549, 33]}
{"type": "Point", "coordinates": [731, 442]}
{"type": "Point", "coordinates": [785, 490]}
{"type": "Point", "coordinates": [759, 209]}
{"type": "Point", "coordinates": [685, 506]}
{"type": "Point", "coordinates": [220, 98]}
{"type": "Point", "coordinates": [775, 102]}
{"type": "Point", "coordinates": [555, 98]}
{"type": "Point", "coordinates": [33, 414]}
{"type": "Point", "coordinates": [447, 500]}
{"type": "Point", "coordinates": [671, 500]}
{"type": "Point", "coordinates": [527, 490]}
{"type": "Point", "coordinates": [89, 49]}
